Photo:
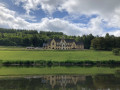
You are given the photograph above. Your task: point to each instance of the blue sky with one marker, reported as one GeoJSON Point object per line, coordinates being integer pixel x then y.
{"type": "Point", "coordinates": [72, 17]}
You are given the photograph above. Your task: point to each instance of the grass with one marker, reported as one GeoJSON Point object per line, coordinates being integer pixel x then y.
{"type": "Point", "coordinates": [12, 48]}
{"type": "Point", "coordinates": [16, 54]}
{"type": "Point", "coordinates": [13, 71]}
{"type": "Point", "coordinates": [7, 55]}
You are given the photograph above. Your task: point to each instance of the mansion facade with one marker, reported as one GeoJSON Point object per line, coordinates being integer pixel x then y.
{"type": "Point", "coordinates": [63, 44]}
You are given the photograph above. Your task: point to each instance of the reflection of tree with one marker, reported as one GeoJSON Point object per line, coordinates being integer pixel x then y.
{"type": "Point", "coordinates": [107, 81]}
{"type": "Point", "coordinates": [89, 83]}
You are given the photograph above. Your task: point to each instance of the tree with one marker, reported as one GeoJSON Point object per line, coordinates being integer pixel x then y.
{"type": "Point", "coordinates": [110, 42]}
{"type": "Point", "coordinates": [36, 42]}
{"type": "Point", "coordinates": [98, 43]}
{"type": "Point", "coordinates": [26, 42]}
{"type": "Point", "coordinates": [32, 37]}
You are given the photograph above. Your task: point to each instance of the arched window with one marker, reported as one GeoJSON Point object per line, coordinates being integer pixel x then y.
{"type": "Point", "coordinates": [53, 43]}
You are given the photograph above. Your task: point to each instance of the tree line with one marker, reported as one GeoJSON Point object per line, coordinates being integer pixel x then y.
{"type": "Point", "coordinates": [13, 37]}
{"type": "Point", "coordinates": [108, 42]}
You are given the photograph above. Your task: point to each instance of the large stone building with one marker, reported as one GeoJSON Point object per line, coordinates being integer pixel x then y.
{"type": "Point", "coordinates": [63, 44]}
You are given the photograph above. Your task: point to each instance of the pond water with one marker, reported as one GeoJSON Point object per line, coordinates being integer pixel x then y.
{"type": "Point", "coordinates": [59, 78]}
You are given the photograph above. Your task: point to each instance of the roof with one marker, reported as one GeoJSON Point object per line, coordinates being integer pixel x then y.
{"type": "Point", "coordinates": [67, 40]}
{"type": "Point", "coordinates": [57, 40]}
{"type": "Point", "coordinates": [49, 41]}
{"type": "Point", "coordinates": [79, 43]}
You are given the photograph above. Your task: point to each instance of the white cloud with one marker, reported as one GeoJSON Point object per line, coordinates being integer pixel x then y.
{"type": "Point", "coordinates": [8, 19]}
{"type": "Point", "coordinates": [109, 10]}
{"type": "Point", "coordinates": [88, 6]}
{"type": "Point", "coordinates": [11, 19]}
{"type": "Point", "coordinates": [48, 6]}
{"type": "Point", "coordinates": [114, 21]}
{"type": "Point", "coordinates": [103, 7]}
{"type": "Point", "coordinates": [116, 33]}
{"type": "Point", "coordinates": [28, 17]}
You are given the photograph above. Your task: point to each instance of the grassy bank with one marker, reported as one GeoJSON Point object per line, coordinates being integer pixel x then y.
{"type": "Point", "coordinates": [13, 71]}
{"type": "Point", "coordinates": [85, 55]}
{"type": "Point", "coordinates": [23, 57]}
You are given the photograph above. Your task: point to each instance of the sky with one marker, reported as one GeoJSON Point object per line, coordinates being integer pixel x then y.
{"type": "Point", "coordinates": [72, 17]}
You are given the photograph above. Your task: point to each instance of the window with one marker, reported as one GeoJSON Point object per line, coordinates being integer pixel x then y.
{"type": "Point", "coordinates": [53, 43]}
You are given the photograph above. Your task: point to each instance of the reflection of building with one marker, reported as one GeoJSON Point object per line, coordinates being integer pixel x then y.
{"type": "Point", "coordinates": [63, 80]}
{"type": "Point", "coordinates": [64, 44]}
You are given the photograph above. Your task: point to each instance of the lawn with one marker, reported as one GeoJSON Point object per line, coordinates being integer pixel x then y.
{"type": "Point", "coordinates": [52, 55]}
{"type": "Point", "coordinates": [13, 71]}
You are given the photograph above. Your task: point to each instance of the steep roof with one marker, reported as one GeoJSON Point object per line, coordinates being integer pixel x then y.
{"type": "Point", "coordinates": [49, 41]}
{"type": "Point", "coordinates": [69, 40]}
{"type": "Point", "coordinates": [57, 40]}
{"type": "Point", "coordinates": [79, 43]}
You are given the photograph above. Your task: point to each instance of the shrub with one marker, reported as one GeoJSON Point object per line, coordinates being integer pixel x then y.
{"type": "Point", "coordinates": [49, 63]}
{"type": "Point", "coordinates": [116, 51]}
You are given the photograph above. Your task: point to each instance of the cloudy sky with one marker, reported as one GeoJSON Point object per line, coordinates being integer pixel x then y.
{"type": "Point", "coordinates": [72, 17]}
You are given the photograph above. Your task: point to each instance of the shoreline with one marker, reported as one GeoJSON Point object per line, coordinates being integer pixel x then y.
{"type": "Point", "coordinates": [61, 63]}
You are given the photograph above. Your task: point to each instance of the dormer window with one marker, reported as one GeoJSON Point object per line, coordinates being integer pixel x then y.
{"type": "Point", "coordinates": [62, 40]}
{"type": "Point", "coordinates": [53, 43]}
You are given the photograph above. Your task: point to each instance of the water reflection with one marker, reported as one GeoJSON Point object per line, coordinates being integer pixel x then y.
{"type": "Point", "coordinates": [62, 82]}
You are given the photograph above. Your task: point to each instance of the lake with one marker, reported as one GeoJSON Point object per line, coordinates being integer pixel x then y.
{"type": "Point", "coordinates": [59, 78]}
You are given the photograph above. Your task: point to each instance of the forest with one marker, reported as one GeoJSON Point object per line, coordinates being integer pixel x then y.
{"type": "Point", "coordinates": [13, 37]}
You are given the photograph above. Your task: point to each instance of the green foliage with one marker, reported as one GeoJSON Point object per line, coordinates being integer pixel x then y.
{"type": "Point", "coordinates": [105, 43]}
{"type": "Point", "coordinates": [13, 37]}
{"type": "Point", "coordinates": [86, 40]}
{"type": "Point", "coordinates": [98, 43]}
{"type": "Point", "coordinates": [61, 63]}
{"type": "Point", "coordinates": [116, 51]}
{"type": "Point", "coordinates": [2, 30]}
{"type": "Point", "coordinates": [6, 42]}
{"type": "Point", "coordinates": [33, 38]}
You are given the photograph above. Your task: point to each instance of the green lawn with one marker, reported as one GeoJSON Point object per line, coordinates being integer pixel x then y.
{"type": "Point", "coordinates": [57, 55]}
{"type": "Point", "coordinates": [12, 48]}
{"type": "Point", "coordinates": [13, 71]}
